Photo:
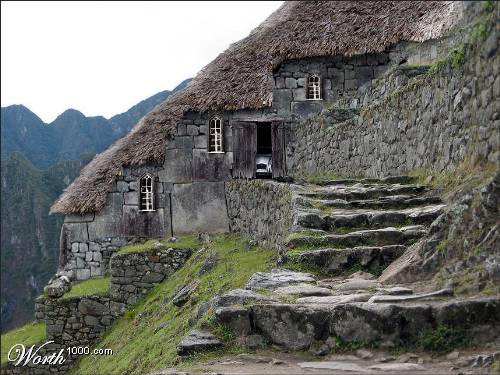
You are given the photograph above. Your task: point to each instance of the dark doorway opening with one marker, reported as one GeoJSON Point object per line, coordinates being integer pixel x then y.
{"type": "Point", "coordinates": [263, 159]}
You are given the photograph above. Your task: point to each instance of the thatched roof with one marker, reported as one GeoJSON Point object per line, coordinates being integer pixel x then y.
{"type": "Point", "coordinates": [241, 77]}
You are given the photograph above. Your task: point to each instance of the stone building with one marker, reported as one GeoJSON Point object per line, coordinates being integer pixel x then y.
{"type": "Point", "coordinates": [168, 176]}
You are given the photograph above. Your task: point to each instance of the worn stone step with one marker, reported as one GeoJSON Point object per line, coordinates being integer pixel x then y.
{"type": "Point", "coordinates": [299, 326]}
{"type": "Point", "coordinates": [335, 261]}
{"type": "Point", "coordinates": [357, 192]}
{"type": "Point", "coordinates": [372, 237]}
{"type": "Point", "coordinates": [387, 202]}
{"type": "Point", "coordinates": [385, 180]}
{"type": "Point", "coordinates": [367, 218]}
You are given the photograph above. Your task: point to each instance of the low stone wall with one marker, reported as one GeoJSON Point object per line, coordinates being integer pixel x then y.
{"type": "Point", "coordinates": [261, 209]}
{"type": "Point", "coordinates": [134, 274]}
{"type": "Point", "coordinates": [77, 321]}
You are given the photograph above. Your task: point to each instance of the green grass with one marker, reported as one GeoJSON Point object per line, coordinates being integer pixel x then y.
{"type": "Point", "coordinates": [92, 287]}
{"type": "Point", "coordinates": [27, 335]}
{"type": "Point", "coordinates": [442, 339]}
{"type": "Point", "coordinates": [138, 349]}
{"type": "Point", "coordinates": [185, 242]}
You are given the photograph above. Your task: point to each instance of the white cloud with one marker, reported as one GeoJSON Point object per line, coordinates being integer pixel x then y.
{"type": "Point", "coordinates": [103, 57]}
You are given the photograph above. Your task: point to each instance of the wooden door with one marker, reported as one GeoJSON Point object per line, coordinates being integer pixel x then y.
{"type": "Point", "coordinates": [244, 149]}
{"type": "Point", "coordinates": [278, 153]}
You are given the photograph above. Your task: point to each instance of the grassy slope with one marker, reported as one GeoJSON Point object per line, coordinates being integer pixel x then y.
{"type": "Point", "coordinates": [136, 346]}
{"type": "Point", "coordinates": [92, 287]}
{"type": "Point", "coordinates": [186, 242]}
{"type": "Point", "coordinates": [27, 335]}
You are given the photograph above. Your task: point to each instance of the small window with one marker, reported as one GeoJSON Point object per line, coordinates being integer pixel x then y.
{"type": "Point", "coordinates": [314, 87]}
{"type": "Point", "coordinates": [215, 133]}
{"type": "Point", "coordinates": [146, 197]}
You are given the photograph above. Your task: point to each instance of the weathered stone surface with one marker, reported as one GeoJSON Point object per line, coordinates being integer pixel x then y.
{"type": "Point", "coordinates": [304, 290]}
{"type": "Point", "coordinates": [335, 300]}
{"type": "Point", "coordinates": [236, 318]}
{"type": "Point", "coordinates": [241, 297]}
{"type": "Point", "coordinates": [395, 290]}
{"type": "Point", "coordinates": [92, 307]}
{"type": "Point", "coordinates": [336, 366]}
{"type": "Point", "coordinates": [397, 367]}
{"type": "Point", "coordinates": [199, 207]}
{"type": "Point", "coordinates": [277, 278]}
{"type": "Point", "coordinates": [413, 297]}
{"type": "Point", "coordinates": [58, 287]}
{"type": "Point", "coordinates": [198, 340]}
{"type": "Point", "coordinates": [184, 293]}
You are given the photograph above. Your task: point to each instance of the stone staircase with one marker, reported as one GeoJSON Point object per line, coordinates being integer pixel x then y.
{"type": "Point", "coordinates": [364, 224]}
{"type": "Point", "coordinates": [345, 233]}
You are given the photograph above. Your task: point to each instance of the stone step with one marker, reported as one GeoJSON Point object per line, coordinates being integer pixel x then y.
{"type": "Point", "coordinates": [367, 218]}
{"type": "Point", "coordinates": [387, 202]}
{"type": "Point", "coordinates": [372, 237]}
{"type": "Point", "coordinates": [358, 192]}
{"type": "Point", "coordinates": [335, 261]}
{"type": "Point", "coordinates": [299, 326]}
{"type": "Point", "coordinates": [385, 180]}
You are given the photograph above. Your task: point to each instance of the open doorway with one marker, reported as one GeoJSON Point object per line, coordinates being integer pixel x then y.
{"type": "Point", "coordinates": [263, 158]}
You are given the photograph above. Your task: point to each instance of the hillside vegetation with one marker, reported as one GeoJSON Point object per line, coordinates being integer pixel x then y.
{"type": "Point", "coordinates": [145, 339]}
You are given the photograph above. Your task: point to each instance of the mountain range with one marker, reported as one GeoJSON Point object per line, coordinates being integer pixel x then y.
{"type": "Point", "coordinates": [38, 161]}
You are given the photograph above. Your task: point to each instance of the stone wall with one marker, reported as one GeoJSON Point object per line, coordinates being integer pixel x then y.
{"type": "Point", "coordinates": [410, 120]}
{"type": "Point", "coordinates": [261, 209]}
{"type": "Point", "coordinates": [133, 275]}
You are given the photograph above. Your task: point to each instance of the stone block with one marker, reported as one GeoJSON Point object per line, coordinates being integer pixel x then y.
{"type": "Point", "coordinates": [290, 83]}
{"type": "Point", "coordinates": [301, 82]}
{"type": "Point", "coordinates": [82, 274]}
{"type": "Point", "coordinates": [76, 232]}
{"type": "Point", "coordinates": [299, 94]}
{"type": "Point", "coordinates": [184, 142]}
{"type": "Point", "coordinates": [122, 186]}
{"type": "Point", "coordinates": [363, 73]}
{"type": "Point", "coordinates": [200, 141]}
{"type": "Point", "coordinates": [282, 99]}
{"type": "Point", "coordinates": [97, 256]}
{"type": "Point", "coordinates": [181, 129]}
{"type": "Point", "coordinates": [131, 198]}
{"type": "Point", "coordinates": [108, 222]}
{"type": "Point", "coordinates": [88, 256]}
{"type": "Point", "coordinates": [177, 167]}
{"type": "Point", "coordinates": [83, 247]}
{"type": "Point", "coordinates": [192, 130]}
{"type": "Point", "coordinates": [307, 108]}
{"type": "Point", "coordinates": [79, 218]}
{"type": "Point", "coordinates": [80, 263]}
{"type": "Point", "coordinates": [75, 247]}
{"type": "Point", "coordinates": [199, 207]}
{"type": "Point", "coordinates": [351, 84]}
{"type": "Point", "coordinates": [210, 167]}
{"type": "Point", "coordinates": [147, 224]}
{"type": "Point", "coordinates": [134, 185]}
{"type": "Point", "coordinates": [279, 82]}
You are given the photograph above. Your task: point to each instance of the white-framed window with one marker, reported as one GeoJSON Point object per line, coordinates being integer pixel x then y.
{"type": "Point", "coordinates": [215, 134]}
{"type": "Point", "coordinates": [146, 199]}
{"type": "Point", "coordinates": [314, 87]}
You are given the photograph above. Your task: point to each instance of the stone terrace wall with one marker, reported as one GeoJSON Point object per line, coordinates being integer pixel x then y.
{"type": "Point", "coordinates": [77, 321]}
{"type": "Point", "coordinates": [431, 121]}
{"type": "Point", "coordinates": [261, 209]}
{"type": "Point", "coordinates": [133, 275]}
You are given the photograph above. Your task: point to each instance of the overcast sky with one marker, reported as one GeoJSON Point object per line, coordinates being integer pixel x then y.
{"type": "Point", "coordinates": [103, 57]}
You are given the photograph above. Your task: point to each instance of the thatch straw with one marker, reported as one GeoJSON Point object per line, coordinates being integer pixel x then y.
{"type": "Point", "coordinates": [242, 76]}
